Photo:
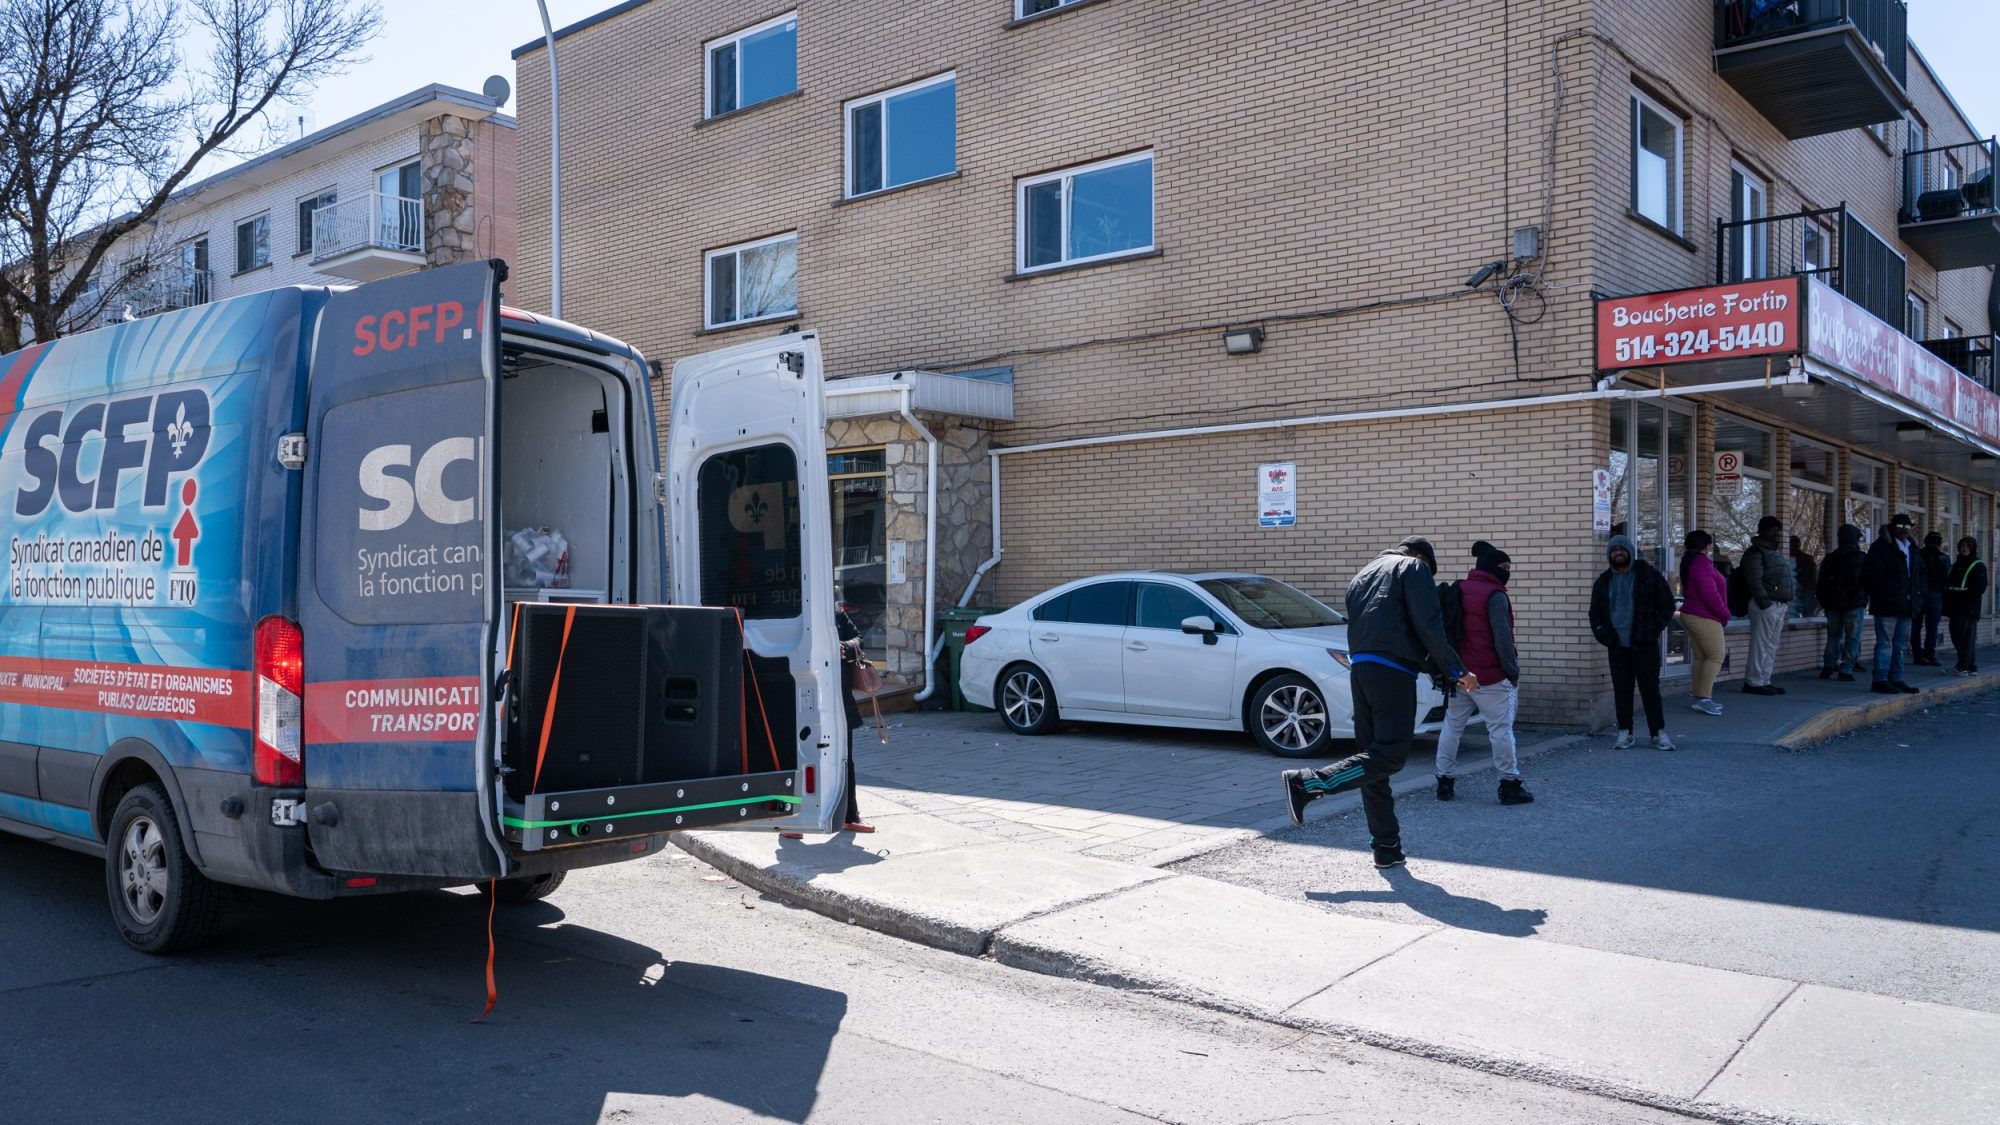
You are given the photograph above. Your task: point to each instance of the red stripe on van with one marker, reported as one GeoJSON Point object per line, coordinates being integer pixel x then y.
{"type": "Point", "coordinates": [217, 696]}
{"type": "Point", "coordinates": [15, 380]}
{"type": "Point", "coordinates": [433, 709]}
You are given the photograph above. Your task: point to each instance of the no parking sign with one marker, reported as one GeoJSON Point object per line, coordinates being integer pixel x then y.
{"type": "Point", "coordinates": [1728, 466]}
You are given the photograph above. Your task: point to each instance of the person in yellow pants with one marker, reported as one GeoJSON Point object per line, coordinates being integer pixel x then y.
{"type": "Point", "coordinates": [1704, 613]}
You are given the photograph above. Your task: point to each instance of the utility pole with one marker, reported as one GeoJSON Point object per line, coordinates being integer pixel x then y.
{"type": "Point", "coordinates": [555, 170]}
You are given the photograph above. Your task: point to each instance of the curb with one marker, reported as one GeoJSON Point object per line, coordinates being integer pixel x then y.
{"type": "Point", "coordinates": [1851, 717]}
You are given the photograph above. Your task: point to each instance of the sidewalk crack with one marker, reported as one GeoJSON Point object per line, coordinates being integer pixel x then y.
{"type": "Point", "coordinates": [1789, 993]}
{"type": "Point", "coordinates": [1287, 1009]}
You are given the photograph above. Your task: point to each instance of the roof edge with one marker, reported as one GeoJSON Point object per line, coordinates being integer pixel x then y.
{"type": "Point", "coordinates": [585, 23]}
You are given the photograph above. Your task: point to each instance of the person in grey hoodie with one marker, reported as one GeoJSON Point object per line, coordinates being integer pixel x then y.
{"type": "Point", "coordinates": [1767, 570]}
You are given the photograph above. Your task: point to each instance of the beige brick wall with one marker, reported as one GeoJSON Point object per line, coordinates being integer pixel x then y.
{"type": "Point", "coordinates": [1331, 172]}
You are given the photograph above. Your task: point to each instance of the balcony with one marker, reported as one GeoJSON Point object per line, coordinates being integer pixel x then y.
{"type": "Point", "coordinates": [370, 237]}
{"type": "Point", "coordinates": [1949, 213]}
{"type": "Point", "coordinates": [168, 288]}
{"type": "Point", "coordinates": [1971, 356]}
{"type": "Point", "coordinates": [1829, 245]}
{"type": "Point", "coordinates": [1816, 66]}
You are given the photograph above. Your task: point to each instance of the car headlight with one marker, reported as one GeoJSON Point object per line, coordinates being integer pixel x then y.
{"type": "Point", "coordinates": [1340, 658]}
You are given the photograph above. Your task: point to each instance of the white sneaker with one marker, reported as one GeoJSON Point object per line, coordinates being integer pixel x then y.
{"type": "Point", "coordinates": [1624, 741]}
{"type": "Point", "coordinates": [1706, 707]}
{"type": "Point", "coordinates": [1662, 742]}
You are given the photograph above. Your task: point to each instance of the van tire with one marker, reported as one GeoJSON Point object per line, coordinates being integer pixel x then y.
{"type": "Point", "coordinates": [159, 901]}
{"type": "Point", "coordinates": [531, 888]}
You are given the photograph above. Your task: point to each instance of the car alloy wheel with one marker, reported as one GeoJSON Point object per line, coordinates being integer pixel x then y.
{"type": "Point", "coordinates": [1024, 700]}
{"type": "Point", "coordinates": [1293, 717]}
{"type": "Point", "coordinates": [142, 870]}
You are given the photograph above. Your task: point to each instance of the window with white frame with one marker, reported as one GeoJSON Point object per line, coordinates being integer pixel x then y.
{"type": "Point", "coordinates": [752, 281]}
{"type": "Point", "coordinates": [1809, 513]}
{"type": "Point", "coordinates": [1025, 8]}
{"type": "Point", "coordinates": [753, 65]}
{"type": "Point", "coordinates": [1916, 315]}
{"type": "Point", "coordinates": [1868, 497]}
{"type": "Point", "coordinates": [1950, 515]}
{"type": "Point", "coordinates": [308, 207]}
{"type": "Point", "coordinates": [1749, 240]}
{"type": "Point", "coordinates": [1913, 165]}
{"type": "Point", "coordinates": [1086, 214]}
{"type": "Point", "coordinates": [1656, 162]}
{"type": "Point", "coordinates": [1741, 503]}
{"type": "Point", "coordinates": [253, 243]}
{"type": "Point", "coordinates": [1915, 500]}
{"type": "Point", "coordinates": [1815, 246]}
{"type": "Point", "coordinates": [902, 136]}
{"type": "Point", "coordinates": [1950, 330]}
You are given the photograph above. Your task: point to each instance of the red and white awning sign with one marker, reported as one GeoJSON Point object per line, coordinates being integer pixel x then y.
{"type": "Point", "coordinates": [1751, 318]}
{"type": "Point", "coordinates": [1844, 335]}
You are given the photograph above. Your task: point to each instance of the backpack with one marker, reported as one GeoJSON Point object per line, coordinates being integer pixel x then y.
{"type": "Point", "coordinates": [1452, 600]}
{"type": "Point", "coordinates": [1739, 587]}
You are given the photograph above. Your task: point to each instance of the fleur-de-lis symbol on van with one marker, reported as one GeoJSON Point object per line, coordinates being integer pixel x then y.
{"type": "Point", "coordinates": [179, 431]}
{"type": "Point", "coordinates": [756, 507]}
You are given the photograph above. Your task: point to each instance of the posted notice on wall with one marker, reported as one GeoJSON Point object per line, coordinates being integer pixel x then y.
{"type": "Point", "coordinates": [1600, 501]}
{"type": "Point", "coordinates": [1277, 495]}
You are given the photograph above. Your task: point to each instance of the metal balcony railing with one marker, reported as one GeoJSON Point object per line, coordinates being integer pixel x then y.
{"type": "Point", "coordinates": [1971, 354]}
{"type": "Point", "coordinates": [1884, 24]}
{"type": "Point", "coordinates": [166, 288]}
{"type": "Point", "coordinates": [1949, 182]}
{"type": "Point", "coordinates": [1807, 242]}
{"type": "Point", "coordinates": [371, 222]}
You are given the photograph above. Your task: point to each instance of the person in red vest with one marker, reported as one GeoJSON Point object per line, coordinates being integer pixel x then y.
{"type": "Point", "coordinates": [1489, 653]}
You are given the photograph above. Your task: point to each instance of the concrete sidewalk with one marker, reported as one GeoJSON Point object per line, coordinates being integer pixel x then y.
{"type": "Point", "coordinates": [1721, 1044]}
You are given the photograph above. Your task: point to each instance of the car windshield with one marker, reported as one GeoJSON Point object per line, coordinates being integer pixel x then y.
{"type": "Point", "coordinates": [1270, 604]}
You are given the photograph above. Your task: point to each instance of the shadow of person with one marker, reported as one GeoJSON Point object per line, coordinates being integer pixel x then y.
{"type": "Point", "coordinates": [824, 855]}
{"type": "Point", "coordinates": [1434, 902]}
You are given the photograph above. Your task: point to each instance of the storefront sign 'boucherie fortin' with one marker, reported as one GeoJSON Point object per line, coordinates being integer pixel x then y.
{"type": "Point", "coordinates": [1751, 318]}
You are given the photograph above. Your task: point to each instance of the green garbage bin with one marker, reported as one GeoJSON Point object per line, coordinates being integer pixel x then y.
{"type": "Point", "coordinates": [954, 621]}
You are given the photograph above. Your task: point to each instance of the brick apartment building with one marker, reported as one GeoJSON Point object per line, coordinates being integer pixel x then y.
{"type": "Point", "coordinates": [425, 179]}
{"type": "Point", "coordinates": [1127, 253]}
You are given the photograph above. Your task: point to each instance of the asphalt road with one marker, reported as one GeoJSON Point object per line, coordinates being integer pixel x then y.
{"type": "Point", "coordinates": [1869, 862]}
{"type": "Point", "coordinates": [649, 992]}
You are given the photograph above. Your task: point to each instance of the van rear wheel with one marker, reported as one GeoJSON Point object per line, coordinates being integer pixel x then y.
{"type": "Point", "coordinates": [159, 901]}
{"type": "Point", "coordinates": [531, 888]}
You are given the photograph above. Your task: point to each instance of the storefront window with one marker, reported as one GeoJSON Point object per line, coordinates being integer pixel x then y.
{"type": "Point", "coordinates": [1810, 502]}
{"type": "Point", "coordinates": [1951, 515]}
{"type": "Point", "coordinates": [1652, 497]}
{"type": "Point", "coordinates": [859, 480]}
{"type": "Point", "coordinates": [1915, 502]}
{"type": "Point", "coordinates": [1868, 498]}
{"type": "Point", "coordinates": [1740, 503]}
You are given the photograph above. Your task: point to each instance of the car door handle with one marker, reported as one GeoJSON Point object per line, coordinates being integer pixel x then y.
{"type": "Point", "coordinates": [1048, 638]}
{"type": "Point", "coordinates": [1135, 646]}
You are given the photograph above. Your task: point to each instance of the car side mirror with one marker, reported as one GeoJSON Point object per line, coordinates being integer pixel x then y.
{"type": "Point", "coordinates": [1203, 627]}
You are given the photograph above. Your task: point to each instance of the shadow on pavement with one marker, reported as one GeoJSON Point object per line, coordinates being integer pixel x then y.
{"type": "Point", "coordinates": [1438, 904]}
{"type": "Point", "coordinates": [359, 1011]}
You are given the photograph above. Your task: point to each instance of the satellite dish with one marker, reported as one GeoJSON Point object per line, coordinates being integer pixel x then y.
{"type": "Point", "coordinates": [498, 90]}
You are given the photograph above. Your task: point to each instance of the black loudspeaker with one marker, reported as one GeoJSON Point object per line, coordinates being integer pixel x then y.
{"type": "Point", "coordinates": [648, 694]}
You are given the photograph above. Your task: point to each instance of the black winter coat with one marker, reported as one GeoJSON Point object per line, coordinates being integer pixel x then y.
{"type": "Point", "coordinates": [1652, 606]}
{"type": "Point", "coordinates": [1965, 588]}
{"type": "Point", "coordinates": [1937, 568]}
{"type": "Point", "coordinates": [1895, 587]}
{"type": "Point", "coordinates": [1393, 611]}
{"type": "Point", "coordinates": [1839, 588]}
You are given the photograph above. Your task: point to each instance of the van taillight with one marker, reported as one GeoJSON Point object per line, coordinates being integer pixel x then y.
{"type": "Point", "coordinates": [281, 688]}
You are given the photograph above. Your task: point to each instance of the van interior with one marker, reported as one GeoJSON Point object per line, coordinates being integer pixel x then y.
{"type": "Point", "coordinates": [564, 483]}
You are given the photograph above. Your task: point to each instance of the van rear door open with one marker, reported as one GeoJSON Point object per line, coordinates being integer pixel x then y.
{"type": "Point", "coordinates": [747, 427]}
{"type": "Point", "coordinates": [399, 589]}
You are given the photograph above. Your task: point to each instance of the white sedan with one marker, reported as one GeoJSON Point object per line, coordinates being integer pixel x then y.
{"type": "Point", "coordinates": [1216, 651]}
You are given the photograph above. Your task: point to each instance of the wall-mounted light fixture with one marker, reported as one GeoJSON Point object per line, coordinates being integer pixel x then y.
{"type": "Point", "coordinates": [659, 369]}
{"type": "Point", "coordinates": [1803, 389]}
{"type": "Point", "coordinates": [1243, 341]}
{"type": "Point", "coordinates": [1484, 274]}
{"type": "Point", "coordinates": [1910, 431]}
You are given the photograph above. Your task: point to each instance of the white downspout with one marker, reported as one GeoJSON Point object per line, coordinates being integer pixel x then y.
{"type": "Point", "coordinates": [930, 542]}
{"type": "Point", "coordinates": [992, 560]}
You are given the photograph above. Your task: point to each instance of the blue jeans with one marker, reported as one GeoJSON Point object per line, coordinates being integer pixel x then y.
{"type": "Point", "coordinates": [1892, 636]}
{"type": "Point", "coordinates": [1843, 640]}
{"type": "Point", "coordinates": [1927, 625]}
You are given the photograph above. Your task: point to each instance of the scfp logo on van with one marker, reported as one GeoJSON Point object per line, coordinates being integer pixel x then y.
{"type": "Point", "coordinates": [52, 452]}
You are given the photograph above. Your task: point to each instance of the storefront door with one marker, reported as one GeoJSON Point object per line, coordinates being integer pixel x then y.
{"type": "Point", "coordinates": [1653, 501]}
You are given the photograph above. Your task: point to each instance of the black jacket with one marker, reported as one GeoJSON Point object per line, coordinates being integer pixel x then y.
{"type": "Point", "coordinates": [1768, 570]}
{"type": "Point", "coordinates": [1895, 588]}
{"type": "Point", "coordinates": [1937, 568]}
{"type": "Point", "coordinates": [1839, 588]}
{"type": "Point", "coordinates": [1652, 606]}
{"type": "Point", "coordinates": [1393, 612]}
{"type": "Point", "coordinates": [1965, 588]}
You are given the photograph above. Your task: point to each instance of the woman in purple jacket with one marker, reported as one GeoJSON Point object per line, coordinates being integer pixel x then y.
{"type": "Point", "coordinates": [1704, 612]}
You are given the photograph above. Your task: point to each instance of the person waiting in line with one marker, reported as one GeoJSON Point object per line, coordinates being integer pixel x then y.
{"type": "Point", "coordinates": [1844, 601]}
{"type": "Point", "coordinates": [1893, 575]}
{"type": "Point", "coordinates": [1805, 581]}
{"type": "Point", "coordinates": [1924, 633]}
{"type": "Point", "coordinates": [1767, 570]}
{"type": "Point", "coordinates": [1964, 592]}
{"type": "Point", "coordinates": [1394, 621]}
{"type": "Point", "coordinates": [1489, 653]}
{"type": "Point", "coordinates": [1630, 606]}
{"type": "Point", "coordinates": [1704, 615]}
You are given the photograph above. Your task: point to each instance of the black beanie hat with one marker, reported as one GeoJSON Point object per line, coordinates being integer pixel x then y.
{"type": "Point", "coordinates": [1480, 547]}
{"type": "Point", "coordinates": [1421, 547]}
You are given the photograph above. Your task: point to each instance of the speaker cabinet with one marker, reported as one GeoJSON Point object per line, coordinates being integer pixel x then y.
{"type": "Point", "coordinates": [646, 694]}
